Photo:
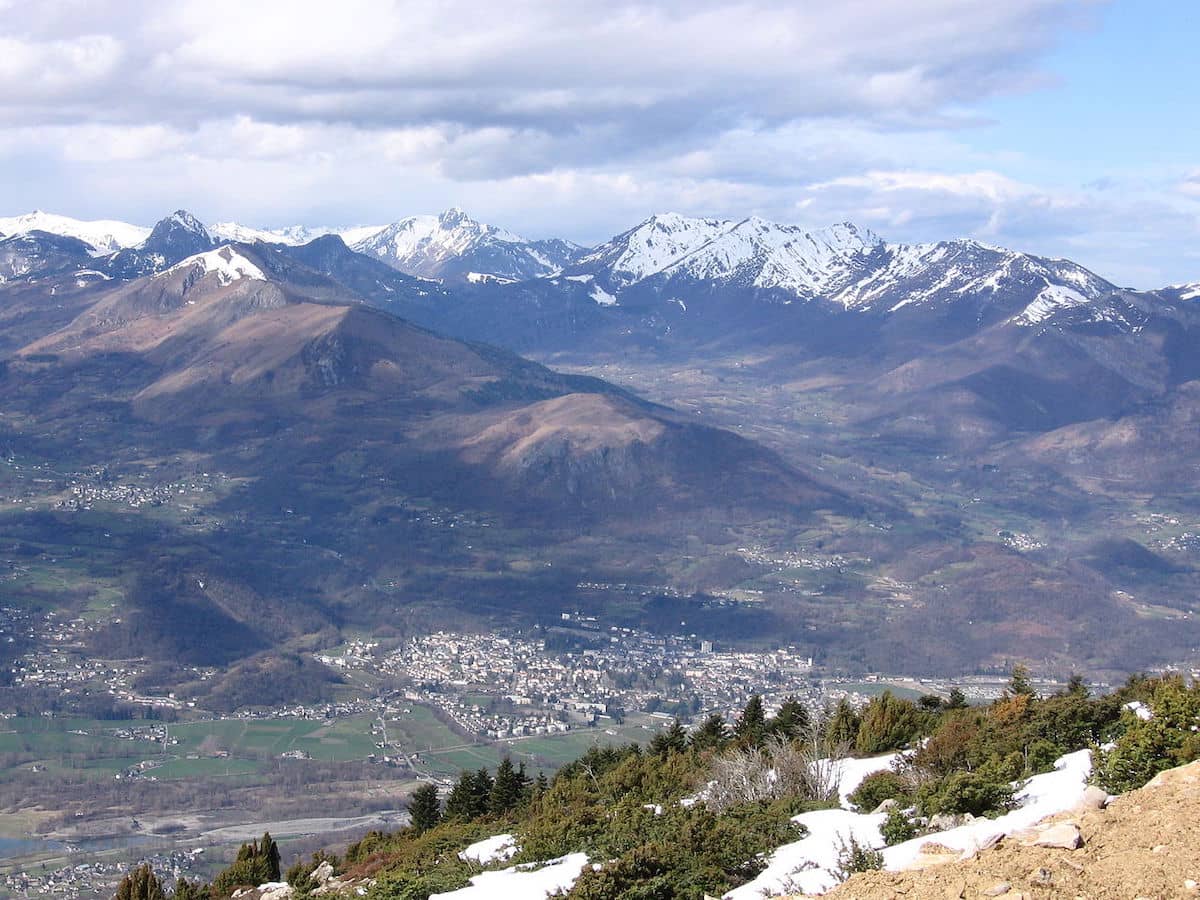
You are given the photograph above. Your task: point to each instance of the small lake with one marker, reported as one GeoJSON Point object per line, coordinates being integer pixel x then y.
{"type": "Point", "coordinates": [10, 847]}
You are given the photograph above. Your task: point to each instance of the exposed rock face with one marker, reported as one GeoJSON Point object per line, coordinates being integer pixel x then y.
{"type": "Point", "coordinates": [1142, 844]}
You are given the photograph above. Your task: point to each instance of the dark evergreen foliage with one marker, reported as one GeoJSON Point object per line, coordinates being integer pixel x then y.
{"type": "Point", "coordinates": [425, 808]}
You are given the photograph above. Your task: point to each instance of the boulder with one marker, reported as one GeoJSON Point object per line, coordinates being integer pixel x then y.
{"type": "Point", "coordinates": [1093, 798]}
{"type": "Point", "coordinates": [1059, 836]}
{"type": "Point", "coordinates": [886, 806]}
{"type": "Point", "coordinates": [978, 846]}
{"type": "Point", "coordinates": [944, 822]}
{"type": "Point", "coordinates": [322, 873]}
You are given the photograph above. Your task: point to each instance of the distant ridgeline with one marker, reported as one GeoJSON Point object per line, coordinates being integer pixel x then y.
{"type": "Point", "coordinates": [701, 812]}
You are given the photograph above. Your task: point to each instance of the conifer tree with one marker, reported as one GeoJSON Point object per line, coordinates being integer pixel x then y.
{"type": "Point", "coordinates": [792, 720]}
{"type": "Point", "coordinates": [481, 793]}
{"type": "Point", "coordinates": [888, 723]}
{"type": "Point", "coordinates": [140, 884]}
{"type": "Point", "coordinates": [673, 739]}
{"type": "Point", "coordinates": [1019, 683]}
{"type": "Point", "coordinates": [1077, 687]}
{"type": "Point", "coordinates": [958, 700]}
{"type": "Point", "coordinates": [752, 723]}
{"type": "Point", "coordinates": [269, 851]}
{"type": "Point", "coordinates": [711, 735]}
{"type": "Point", "coordinates": [189, 890]}
{"type": "Point", "coordinates": [506, 789]}
{"type": "Point", "coordinates": [461, 802]}
{"type": "Point", "coordinates": [424, 808]}
{"type": "Point", "coordinates": [842, 726]}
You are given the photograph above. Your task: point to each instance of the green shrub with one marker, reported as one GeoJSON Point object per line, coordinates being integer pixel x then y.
{"type": "Point", "coordinates": [880, 786]}
{"type": "Point", "coordinates": [888, 723]}
{"type": "Point", "coordinates": [1150, 746]}
{"type": "Point", "coordinates": [897, 827]}
{"type": "Point", "coordinates": [404, 885]}
{"type": "Point", "coordinates": [855, 857]}
{"type": "Point", "coordinates": [966, 792]}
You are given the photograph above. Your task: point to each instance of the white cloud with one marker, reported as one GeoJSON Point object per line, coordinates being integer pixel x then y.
{"type": "Point", "coordinates": [558, 116]}
{"type": "Point", "coordinates": [56, 68]}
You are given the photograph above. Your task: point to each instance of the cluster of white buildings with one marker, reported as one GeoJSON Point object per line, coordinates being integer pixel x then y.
{"type": "Point", "coordinates": [504, 685]}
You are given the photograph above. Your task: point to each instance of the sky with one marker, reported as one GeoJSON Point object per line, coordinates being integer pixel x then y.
{"type": "Point", "coordinates": [1060, 127]}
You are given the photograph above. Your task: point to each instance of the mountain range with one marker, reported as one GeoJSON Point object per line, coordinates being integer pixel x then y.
{"type": "Point", "coordinates": [932, 456]}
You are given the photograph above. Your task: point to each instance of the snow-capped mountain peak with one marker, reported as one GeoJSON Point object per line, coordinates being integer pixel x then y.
{"type": "Point", "coordinates": [105, 235]}
{"type": "Point", "coordinates": [767, 255]}
{"type": "Point", "coordinates": [649, 248]}
{"type": "Point", "coordinates": [291, 235]}
{"type": "Point", "coordinates": [752, 252]}
{"type": "Point", "coordinates": [225, 262]}
{"type": "Point", "coordinates": [1186, 291]}
{"type": "Point", "coordinates": [452, 246]}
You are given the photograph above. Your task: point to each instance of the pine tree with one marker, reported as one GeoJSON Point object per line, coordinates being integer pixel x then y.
{"type": "Point", "coordinates": [888, 723]}
{"type": "Point", "coordinates": [958, 700]}
{"type": "Point", "coordinates": [189, 890]}
{"type": "Point", "coordinates": [461, 802]}
{"type": "Point", "coordinates": [251, 868]}
{"type": "Point", "coordinates": [1077, 687]}
{"type": "Point", "coordinates": [1018, 683]}
{"type": "Point", "coordinates": [524, 780]}
{"type": "Point", "coordinates": [481, 794]}
{"type": "Point", "coordinates": [540, 784]}
{"type": "Point", "coordinates": [506, 789]}
{"type": "Point", "coordinates": [792, 720]}
{"type": "Point", "coordinates": [673, 740]}
{"type": "Point", "coordinates": [424, 808]}
{"type": "Point", "coordinates": [711, 735]}
{"type": "Point", "coordinates": [842, 726]}
{"type": "Point", "coordinates": [140, 884]}
{"type": "Point", "coordinates": [269, 851]}
{"type": "Point", "coordinates": [752, 723]}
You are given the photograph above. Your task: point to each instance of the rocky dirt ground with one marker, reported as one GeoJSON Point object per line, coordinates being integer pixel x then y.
{"type": "Point", "coordinates": [1144, 844]}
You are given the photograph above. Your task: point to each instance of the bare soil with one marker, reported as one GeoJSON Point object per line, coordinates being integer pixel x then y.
{"type": "Point", "coordinates": [1145, 844]}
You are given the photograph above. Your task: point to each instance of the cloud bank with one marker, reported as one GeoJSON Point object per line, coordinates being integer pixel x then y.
{"type": "Point", "coordinates": [550, 117]}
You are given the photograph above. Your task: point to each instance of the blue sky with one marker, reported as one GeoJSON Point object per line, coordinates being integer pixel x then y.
{"type": "Point", "coordinates": [1122, 96]}
{"type": "Point", "coordinates": [1063, 127]}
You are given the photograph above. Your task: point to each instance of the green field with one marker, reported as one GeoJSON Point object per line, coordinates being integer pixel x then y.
{"type": "Point", "coordinates": [242, 747]}
{"type": "Point", "coordinates": [545, 752]}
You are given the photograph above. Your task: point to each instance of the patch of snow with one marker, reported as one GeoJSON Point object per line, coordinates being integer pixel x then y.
{"type": "Point", "coordinates": [487, 278]}
{"type": "Point", "coordinates": [682, 305]}
{"type": "Point", "coordinates": [494, 849]}
{"type": "Point", "coordinates": [806, 865]}
{"type": "Point", "coordinates": [584, 279]}
{"type": "Point", "coordinates": [602, 297]}
{"type": "Point", "coordinates": [1186, 291]}
{"type": "Point", "coordinates": [851, 772]}
{"type": "Point", "coordinates": [531, 881]}
{"type": "Point", "coordinates": [105, 235]}
{"type": "Point", "coordinates": [1050, 300]}
{"type": "Point", "coordinates": [228, 265]}
{"type": "Point", "coordinates": [1139, 709]}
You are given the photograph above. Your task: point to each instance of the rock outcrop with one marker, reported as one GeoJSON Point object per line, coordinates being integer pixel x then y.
{"type": "Point", "coordinates": [1142, 844]}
